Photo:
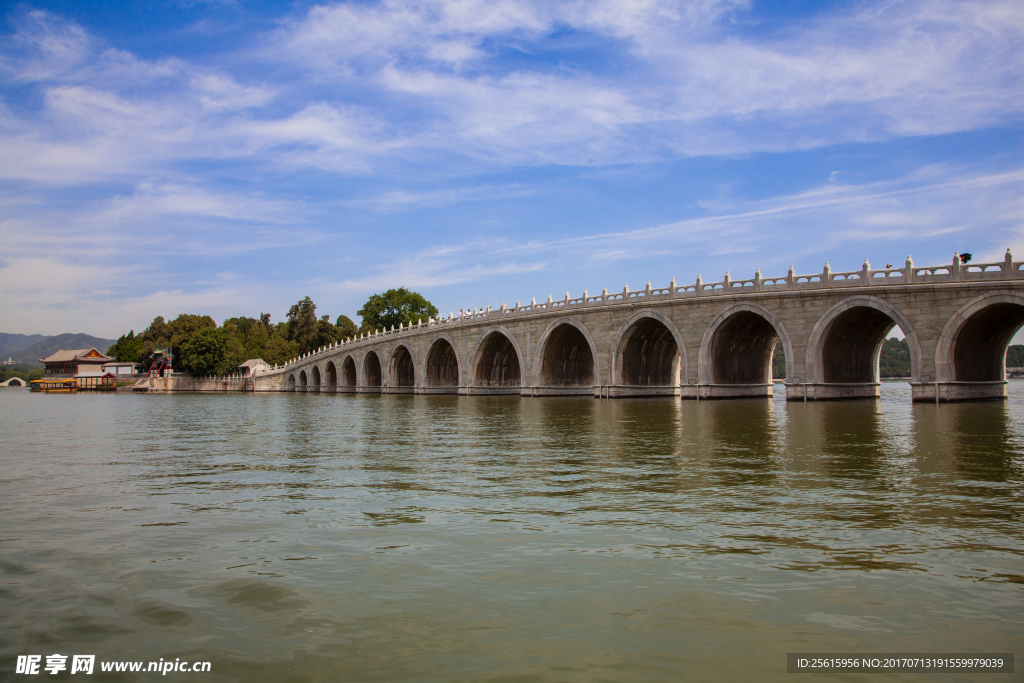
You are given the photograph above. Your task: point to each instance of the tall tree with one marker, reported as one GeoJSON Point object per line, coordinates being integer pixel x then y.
{"type": "Point", "coordinates": [303, 324]}
{"type": "Point", "coordinates": [346, 328]}
{"type": "Point", "coordinates": [394, 307]}
{"type": "Point", "coordinates": [246, 338]}
{"type": "Point", "coordinates": [127, 348]}
{"type": "Point", "coordinates": [203, 352]}
{"type": "Point", "coordinates": [156, 336]}
{"type": "Point", "coordinates": [183, 328]}
{"type": "Point", "coordinates": [326, 332]}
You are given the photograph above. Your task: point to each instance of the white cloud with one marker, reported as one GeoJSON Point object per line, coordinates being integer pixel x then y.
{"type": "Point", "coordinates": [435, 90]}
{"type": "Point", "coordinates": [366, 88]}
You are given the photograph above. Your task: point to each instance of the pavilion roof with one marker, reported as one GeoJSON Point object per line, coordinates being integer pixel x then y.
{"type": "Point", "coordinates": [90, 354]}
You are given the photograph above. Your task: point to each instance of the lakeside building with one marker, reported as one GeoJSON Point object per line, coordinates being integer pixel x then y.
{"type": "Point", "coordinates": [121, 368]}
{"type": "Point", "coordinates": [70, 363]}
{"type": "Point", "coordinates": [253, 366]}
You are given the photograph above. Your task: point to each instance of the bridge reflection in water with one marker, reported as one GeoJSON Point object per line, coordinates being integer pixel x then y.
{"type": "Point", "coordinates": [702, 341]}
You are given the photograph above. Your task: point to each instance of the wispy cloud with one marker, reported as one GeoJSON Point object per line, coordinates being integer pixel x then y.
{"type": "Point", "coordinates": [824, 222]}
{"type": "Point", "coordinates": [76, 284]}
{"type": "Point", "coordinates": [357, 88]}
{"type": "Point", "coordinates": [283, 164]}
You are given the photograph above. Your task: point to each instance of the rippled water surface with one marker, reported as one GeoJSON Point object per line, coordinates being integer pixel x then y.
{"type": "Point", "coordinates": [430, 538]}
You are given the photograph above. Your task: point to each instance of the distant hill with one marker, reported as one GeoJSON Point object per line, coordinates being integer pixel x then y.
{"type": "Point", "coordinates": [30, 355]}
{"type": "Point", "coordinates": [9, 343]}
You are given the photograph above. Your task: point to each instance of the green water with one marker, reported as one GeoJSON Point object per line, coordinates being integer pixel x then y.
{"type": "Point", "coordinates": [300, 537]}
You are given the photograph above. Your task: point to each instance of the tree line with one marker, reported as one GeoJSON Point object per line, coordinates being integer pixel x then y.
{"type": "Point", "coordinates": [28, 375]}
{"type": "Point", "coordinates": [200, 347]}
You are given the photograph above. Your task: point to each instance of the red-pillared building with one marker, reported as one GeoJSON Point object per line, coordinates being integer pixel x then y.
{"type": "Point", "coordinates": [71, 363]}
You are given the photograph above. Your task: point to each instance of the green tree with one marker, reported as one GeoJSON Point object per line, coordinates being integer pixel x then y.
{"type": "Point", "coordinates": [203, 352]}
{"type": "Point", "coordinates": [1015, 356]}
{"type": "Point", "coordinates": [779, 361]}
{"type": "Point", "coordinates": [346, 328]}
{"type": "Point", "coordinates": [306, 330]}
{"type": "Point", "coordinates": [26, 374]}
{"type": "Point", "coordinates": [174, 334]}
{"type": "Point", "coordinates": [127, 348]}
{"type": "Point", "coordinates": [183, 328]}
{"type": "Point", "coordinates": [894, 360]}
{"type": "Point", "coordinates": [246, 338]}
{"type": "Point", "coordinates": [394, 307]}
{"type": "Point", "coordinates": [326, 332]}
{"type": "Point", "coordinates": [154, 337]}
{"type": "Point", "coordinates": [280, 349]}
{"type": "Point", "coordinates": [303, 324]}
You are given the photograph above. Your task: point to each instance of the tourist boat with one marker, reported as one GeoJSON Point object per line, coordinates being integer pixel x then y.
{"type": "Point", "coordinates": [54, 385]}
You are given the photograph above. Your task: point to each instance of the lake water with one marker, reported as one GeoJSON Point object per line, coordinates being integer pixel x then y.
{"type": "Point", "coordinates": [302, 537]}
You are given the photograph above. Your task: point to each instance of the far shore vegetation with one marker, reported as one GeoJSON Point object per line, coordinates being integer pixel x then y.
{"type": "Point", "coordinates": [201, 347]}
{"type": "Point", "coordinates": [20, 371]}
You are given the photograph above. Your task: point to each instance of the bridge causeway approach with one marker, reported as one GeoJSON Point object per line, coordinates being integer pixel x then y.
{"type": "Point", "coordinates": [700, 341]}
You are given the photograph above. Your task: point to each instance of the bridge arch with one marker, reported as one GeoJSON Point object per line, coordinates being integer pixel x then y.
{"type": "Point", "coordinates": [13, 382]}
{"type": "Point", "coordinates": [497, 359]}
{"type": "Point", "coordinates": [972, 345]}
{"type": "Point", "coordinates": [738, 345]}
{"type": "Point", "coordinates": [401, 368]}
{"type": "Point", "coordinates": [349, 378]}
{"type": "Point", "coordinates": [331, 374]}
{"type": "Point", "coordinates": [316, 379]}
{"type": "Point", "coordinates": [291, 382]}
{"type": "Point", "coordinates": [845, 343]}
{"type": "Point", "coordinates": [566, 356]}
{"type": "Point", "coordinates": [372, 375]}
{"type": "Point", "coordinates": [442, 363]}
{"type": "Point", "coordinates": [302, 380]}
{"type": "Point", "coordinates": [648, 351]}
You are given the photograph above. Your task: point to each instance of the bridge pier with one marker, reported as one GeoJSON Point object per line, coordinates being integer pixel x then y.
{"type": "Point", "coordinates": [703, 392]}
{"type": "Point", "coordinates": [494, 391]}
{"type": "Point", "coordinates": [638, 391]}
{"type": "Point", "coordinates": [561, 391]}
{"type": "Point", "coordinates": [436, 391]}
{"type": "Point", "coordinates": [836, 391]}
{"type": "Point", "coordinates": [949, 392]}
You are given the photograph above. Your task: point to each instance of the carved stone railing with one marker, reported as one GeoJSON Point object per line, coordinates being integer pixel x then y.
{"type": "Point", "coordinates": [957, 271]}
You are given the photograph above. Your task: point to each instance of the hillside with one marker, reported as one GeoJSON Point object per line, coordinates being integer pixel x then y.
{"type": "Point", "coordinates": [9, 343]}
{"type": "Point", "coordinates": [30, 355]}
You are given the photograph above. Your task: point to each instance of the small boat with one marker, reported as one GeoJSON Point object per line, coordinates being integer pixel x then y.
{"type": "Point", "coordinates": [54, 385]}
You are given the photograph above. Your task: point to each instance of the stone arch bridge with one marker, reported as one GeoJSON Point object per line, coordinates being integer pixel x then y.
{"type": "Point", "coordinates": [705, 340]}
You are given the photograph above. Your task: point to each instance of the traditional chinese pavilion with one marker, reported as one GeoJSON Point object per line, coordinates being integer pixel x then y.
{"type": "Point", "coordinates": [71, 363]}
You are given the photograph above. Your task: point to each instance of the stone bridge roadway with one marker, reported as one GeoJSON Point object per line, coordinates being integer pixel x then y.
{"type": "Point", "coordinates": [705, 340]}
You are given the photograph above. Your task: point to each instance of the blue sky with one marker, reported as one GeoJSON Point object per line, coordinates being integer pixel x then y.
{"type": "Point", "coordinates": [229, 158]}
